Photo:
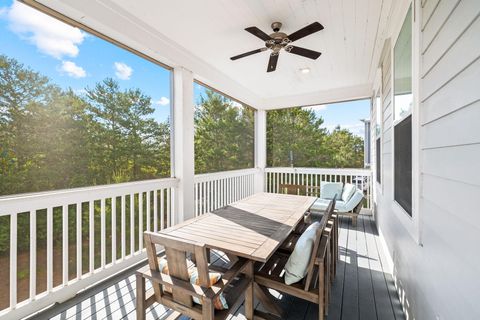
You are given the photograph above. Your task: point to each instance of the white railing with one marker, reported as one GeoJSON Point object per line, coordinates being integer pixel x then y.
{"type": "Point", "coordinates": [62, 241]}
{"type": "Point", "coordinates": [218, 189]}
{"type": "Point", "coordinates": [311, 177]}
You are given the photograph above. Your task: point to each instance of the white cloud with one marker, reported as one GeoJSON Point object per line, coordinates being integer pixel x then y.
{"type": "Point", "coordinates": [236, 104]}
{"type": "Point", "coordinates": [72, 70]}
{"type": "Point", "coordinates": [49, 35]}
{"type": "Point", "coordinates": [318, 107]}
{"type": "Point", "coordinates": [163, 101]}
{"type": "Point", "coordinates": [122, 70]}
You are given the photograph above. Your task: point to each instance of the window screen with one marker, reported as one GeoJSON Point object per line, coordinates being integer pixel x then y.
{"type": "Point", "coordinates": [378, 152]}
{"type": "Point", "coordinates": [403, 164]}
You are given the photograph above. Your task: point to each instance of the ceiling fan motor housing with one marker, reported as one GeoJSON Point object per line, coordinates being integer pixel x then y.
{"type": "Point", "coordinates": [276, 26]}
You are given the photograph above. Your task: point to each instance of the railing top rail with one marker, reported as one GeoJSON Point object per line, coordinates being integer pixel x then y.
{"type": "Point", "coordinates": [338, 171]}
{"type": "Point", "coordinates": [224, 174]}
{"type": "Point", "coordinates": [39, 200]}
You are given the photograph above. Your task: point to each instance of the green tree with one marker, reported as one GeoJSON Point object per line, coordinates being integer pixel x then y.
{"type": "Point", "coordinates": [224, 134]}
{"type": "Point", "coordinates": [108, 111]}
{"type": "Point", "coordinates": [129, 143]}
{"type": "Point", "coordinates": [345, 149]}
{"type": "Point", "coordinates": [295, 137]}
{"type": "Point", "coordinates": [29, 125]}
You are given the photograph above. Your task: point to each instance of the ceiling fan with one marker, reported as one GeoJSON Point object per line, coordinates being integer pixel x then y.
{"type": "Point", "coordinates": [279, 40]}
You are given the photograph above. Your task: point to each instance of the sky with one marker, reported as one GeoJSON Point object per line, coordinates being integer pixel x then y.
{"type": "Point", "coordinates": [345, 114]}
{"type": "Point", "coordinates": [74, 59]}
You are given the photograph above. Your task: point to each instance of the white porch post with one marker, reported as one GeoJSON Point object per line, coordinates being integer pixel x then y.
{"type": "Point", "coordinates": [183, 164]}
{"type": "Point", "coordinates": [260, 149]}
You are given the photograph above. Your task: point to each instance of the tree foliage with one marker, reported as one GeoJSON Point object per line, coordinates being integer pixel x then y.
{"type": "Point", "coordinates": [52, 138]}
{"type": "Point", "coordinates": [295, 137]}
{"type": "Point", "coordinates": [224, 134]}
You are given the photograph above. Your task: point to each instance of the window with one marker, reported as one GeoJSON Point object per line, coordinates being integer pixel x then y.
{"type": "Point", "coordinates": [379, 160]}
{"type": "Point", "coordinates": [378, 135]}
{"type": "Point", "coordinates": [90, 113]}
{"type": "Point", "coordinates": [403, 100]}
{"type": "Point", "coordinates": [224, 132]}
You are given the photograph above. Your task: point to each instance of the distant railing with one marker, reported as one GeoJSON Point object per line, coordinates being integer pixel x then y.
{"type": "Point", "coordinates": [311, 177]}
{"type": "Point", "coordinates": [218, 189]}
{"type": "Point", "coordinates": [62, 241]}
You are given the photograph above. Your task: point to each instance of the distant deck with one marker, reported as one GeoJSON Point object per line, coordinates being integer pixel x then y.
{"type": "Point", "coordinates": [362, 290]}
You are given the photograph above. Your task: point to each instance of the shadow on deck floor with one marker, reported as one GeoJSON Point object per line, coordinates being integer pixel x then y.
{"type": "Point", "coordinates": [362, 289]}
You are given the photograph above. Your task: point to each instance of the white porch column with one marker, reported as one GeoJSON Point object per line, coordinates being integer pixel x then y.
{"type": "Point", "coordinates": [183, 164]}
{"type": "Point", "coordinates": [260, 149]}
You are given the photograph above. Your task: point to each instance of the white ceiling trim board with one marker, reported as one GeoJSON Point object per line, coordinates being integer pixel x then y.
{"type": "Point", "coordinates": [320, 97]}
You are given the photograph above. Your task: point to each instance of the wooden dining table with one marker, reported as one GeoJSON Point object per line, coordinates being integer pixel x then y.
{"type": "Point", "coordinates": [252, 228]}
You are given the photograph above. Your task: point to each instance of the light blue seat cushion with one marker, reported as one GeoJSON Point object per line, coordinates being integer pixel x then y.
{"type": "Point", "coordinates": [348, 191]}
{"type": "Point", "coordinates": [297, 264]}
{"type": "Point", "coordinates": [340, 206]}
{"type": "Point", "coordinates": [329, 189]}
{"type": "Point", "coordinates": [353, 202]}
{"type": "Point", "coordinates": [322, 204]}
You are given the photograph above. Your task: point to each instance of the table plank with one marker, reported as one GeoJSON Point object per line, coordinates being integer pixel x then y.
{"type": "Point", "coordinates": [252, 228]}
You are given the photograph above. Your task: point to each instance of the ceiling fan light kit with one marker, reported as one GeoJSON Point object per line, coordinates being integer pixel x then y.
{"type": "Point", "coordinates": [305, 70]}
{"type": "Point", "coordinates": [277, 41]}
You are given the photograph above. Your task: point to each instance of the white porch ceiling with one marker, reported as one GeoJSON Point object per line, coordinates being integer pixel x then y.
{"type": "Point", "coordinates": [203, 35]}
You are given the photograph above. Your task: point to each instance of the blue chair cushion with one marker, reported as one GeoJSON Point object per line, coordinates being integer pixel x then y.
{"type": "Point", "coordinates": [353, 202]}
{"type": "Point", "coordinates": [328, 190]}
{"type": "Point", "coordinates": [348, 191]}
{"type": "Point", "coordinates": [297, 264]}
{"type": "Point", "coordinates": [322, 204]}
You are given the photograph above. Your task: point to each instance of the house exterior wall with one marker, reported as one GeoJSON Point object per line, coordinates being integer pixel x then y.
{"type": "Point", "coordinates": [435, 256]}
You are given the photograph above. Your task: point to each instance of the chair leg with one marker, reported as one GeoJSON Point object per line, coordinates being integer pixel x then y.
{"type": "Point", "coordinates": [327, 281]}
{"type": "Point", "coordinates": [354, 220]}
{"type": "Point", "coordinates": [332, 253]}
{"type": "Point", "coordinates": [208, 312]}
{"type": "Point", "coordinates": [140, 308]}
{"type": "Point", "coordinates": [321, 290]}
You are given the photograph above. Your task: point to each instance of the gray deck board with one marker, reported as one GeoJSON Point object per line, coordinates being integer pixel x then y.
{"type": "Point", "coordinates": [362, 289]}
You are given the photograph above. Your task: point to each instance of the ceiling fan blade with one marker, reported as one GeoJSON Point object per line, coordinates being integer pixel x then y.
{"type": "Point", "coordinates": [258, 33]}
{"type": "Point", "coordinates": [246, 54]}
{"type": "Point", "coordinates": [272, 62]}
{"type": "Point", "coordinates": [311, 28]}
{"type": "Point", "coordinates": [307, 53]}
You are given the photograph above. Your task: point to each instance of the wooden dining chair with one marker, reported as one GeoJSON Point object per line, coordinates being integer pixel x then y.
{"type": "Point", "coordinates": [331, 231]}
{"type": "Point", "coordinates": [175, 290]}
{"type": "Point", "coordinates": [315, 286]}
{"type": "Point", "coordinates": [296, 189]}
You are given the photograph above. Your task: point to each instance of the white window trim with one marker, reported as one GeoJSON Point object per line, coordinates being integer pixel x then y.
{"type": "Point", "coordinates": [410, 223]}
{"type": "Point", "coordinates": [378, 92]}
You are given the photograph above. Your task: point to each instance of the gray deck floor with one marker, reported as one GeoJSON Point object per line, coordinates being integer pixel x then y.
{"type": "Point", "coordinates": [362, 290]}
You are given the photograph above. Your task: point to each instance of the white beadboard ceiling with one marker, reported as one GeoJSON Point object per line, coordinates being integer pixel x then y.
{"type": "Point", "coordinates": [202, 35]}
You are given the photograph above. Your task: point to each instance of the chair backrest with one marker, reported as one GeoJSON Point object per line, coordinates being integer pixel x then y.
{"type": "Point", "coordinates": [176, 251]}
{"type": "Point", "coordinates": [323, 223]}
{"type": "Point", "coordinates": [296, 189]}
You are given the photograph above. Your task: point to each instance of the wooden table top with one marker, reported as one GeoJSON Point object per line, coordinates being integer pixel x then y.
{"type": "Point", "coordinates": [252, 228]}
